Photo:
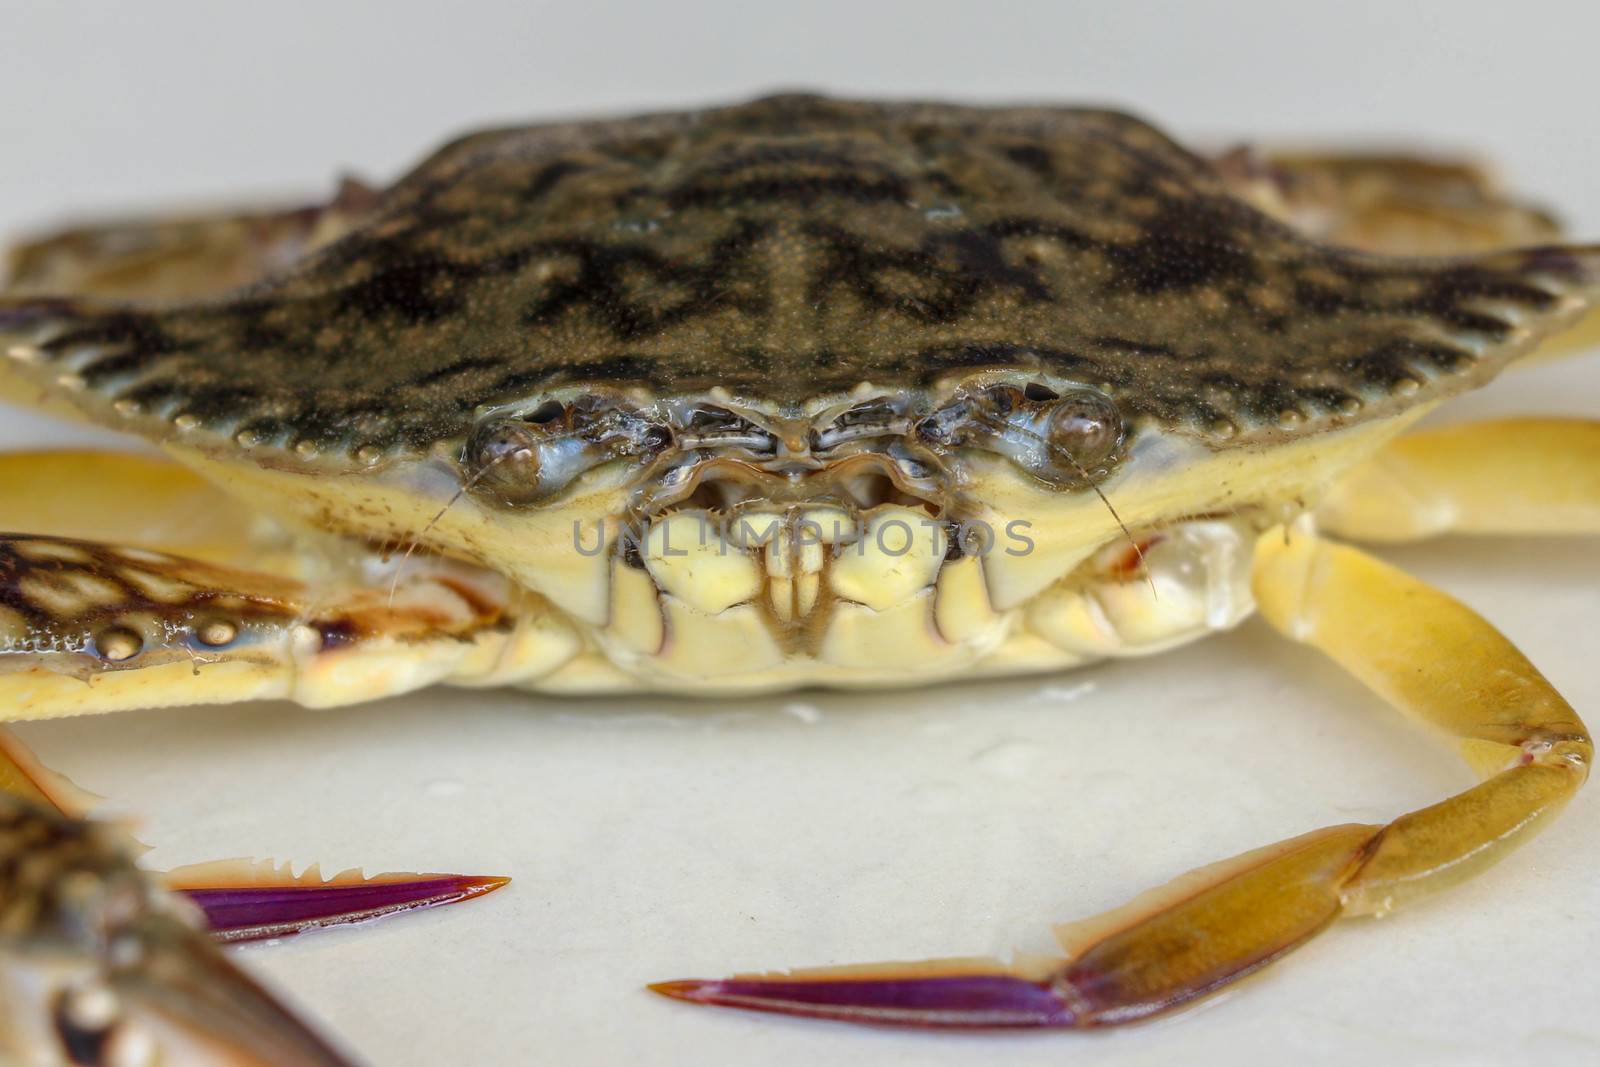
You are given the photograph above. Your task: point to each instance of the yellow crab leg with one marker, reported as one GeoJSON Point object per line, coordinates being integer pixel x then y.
{"type": "Point", "coordinates": [1424, 652]}
{"type": "Point", "coordinates": [150, 501]}
{"type": "Point", "coordinates": [201, 602]}
{"type": "Point", "coordinates": [156, 504]}
{"type": "Point", "coordinates": [1437, 660]}
{"type": "Point", "coordinates": [91, 627]}
{"type": "Point", "coordinates": [1512, 476]}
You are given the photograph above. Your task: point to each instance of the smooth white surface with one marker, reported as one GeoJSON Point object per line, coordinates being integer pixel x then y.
{"type": "Point", "coordinates": [655, 838]}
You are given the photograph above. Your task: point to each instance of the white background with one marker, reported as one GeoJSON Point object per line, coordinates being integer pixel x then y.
{"type": "Point", "coordinates": [655, 838]}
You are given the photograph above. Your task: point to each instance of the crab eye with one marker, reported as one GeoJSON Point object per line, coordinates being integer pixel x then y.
{"type": "Point", "coordinates": [1064, 438]}
{"type": "Point", "coordinates": [504, 458]}
{"type": "Point", "coordinates": [877, 417]}
{"type": "Point", "coordinates": [708, 424]}
{"type": "Point", "coordinates": [522, 461]}
{"type": "Point", "coordinates": [527, 458]}
{"type": "Point", "coordinates": [1083, 429]}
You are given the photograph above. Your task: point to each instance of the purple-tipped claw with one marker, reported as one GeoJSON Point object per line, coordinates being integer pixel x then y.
{"type": "Point", "coordinates": [245, 912]}
{"type": "Point", "coordinates": [947, 1001]}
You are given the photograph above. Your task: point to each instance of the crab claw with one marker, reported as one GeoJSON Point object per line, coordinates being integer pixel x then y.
{"type": "Point", "coordinates": [245, 900]}
{"type": "Point", "coordinates": [944, 994]}
{"type": "Point", "coordinates": [98, 964]}
{"type": "Point", "coordinates": [242, 901]}
{"type": "Point", "coordinates": [178, 996]}
{"type": "Point", "coordinates": [1159, 952]}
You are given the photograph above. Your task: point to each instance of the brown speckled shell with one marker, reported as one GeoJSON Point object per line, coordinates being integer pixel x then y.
{"type": "Point", "coordinates": [793, 247]}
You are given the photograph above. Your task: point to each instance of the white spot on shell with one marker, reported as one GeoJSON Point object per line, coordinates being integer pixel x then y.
{"type": "Point", "coordinates": [217, 632]}
{"type": "Point", "coordinates": [118, 644]}
{"type": "Point", "coordinates": [305, 641]}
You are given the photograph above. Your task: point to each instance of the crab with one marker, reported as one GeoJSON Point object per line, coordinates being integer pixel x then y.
{"type": "Point", "coordinates": [799, 392]}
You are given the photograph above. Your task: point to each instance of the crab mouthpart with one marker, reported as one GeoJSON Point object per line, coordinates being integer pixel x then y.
{"type": "Point", "coordinates": [797, 560]}
{"type": "Point", "coordinates": [730, 484]}
{"type": "Point", "coordinates": [729, 531]}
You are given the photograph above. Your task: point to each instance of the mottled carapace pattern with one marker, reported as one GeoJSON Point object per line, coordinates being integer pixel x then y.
{"type": "Point", "coordinates": [792, 248]}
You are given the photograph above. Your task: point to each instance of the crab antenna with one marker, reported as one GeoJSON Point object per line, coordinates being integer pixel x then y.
{"type": "Point", "coordinates": [416, 542]}
{"type": "Point", "coordinates": [1127, 534]}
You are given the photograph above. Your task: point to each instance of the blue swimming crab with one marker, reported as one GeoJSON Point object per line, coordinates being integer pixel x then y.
{"type": "Point", "coordinates": [800, 392]}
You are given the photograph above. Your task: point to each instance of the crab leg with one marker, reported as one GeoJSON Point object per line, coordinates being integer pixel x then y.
{"type": "Point", "coordinates": [1422, 651]}
{"type": "Point", "coordinates": [1386, 202]}
{"type": "Point", "coordinates": [243, 900]}
{"type": "Point", "coordinates": [202, 628]}
{"type": "Point", "coordinates": [1401, 205]}
{"type": "Point", "coordinates": [203, 602]}
{"type": "Point", "coordinates": [87, 627]}
{"type": "Point", "coordinates": [177, 256]}
{"type": "Point", "coordinates": [97, 965]}
{"type": "Point", "coordinates": [152, 502]}
{"type": "Point", "coordinates": [1513, 476]}
{"type": "Point", "coordinates": [91, 627]}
